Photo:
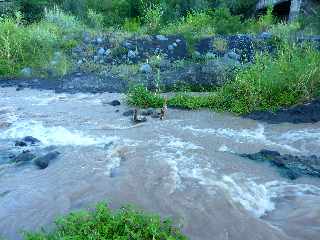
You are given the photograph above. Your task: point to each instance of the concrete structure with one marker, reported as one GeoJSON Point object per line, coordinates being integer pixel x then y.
{"type": "Point", "coordinates": [295, 6]}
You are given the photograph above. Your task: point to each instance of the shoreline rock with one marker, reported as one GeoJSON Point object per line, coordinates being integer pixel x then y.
{"type": "Point", "coordinates": [290, 166]}
{"type": "Point", "coordinates": [302, 113]}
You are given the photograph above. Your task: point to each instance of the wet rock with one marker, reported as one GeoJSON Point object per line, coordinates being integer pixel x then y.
{"type": "Point", "coordinates": [25, 156]}
{"type": "Point", "coordinates": [148, 112]}
{"type": "Point", "coordinates": [19, 87]}
{"type": "Point", "coordinates": [303, 113]}
{"type": "Point", "coordinates": [128, 113]}
{"type": "Point", "coordinates": [146, 68]}
{"type": "Point", "coordinates": [20, 144]}
{"type": "Point", "coordinates": [155, 115]}
{"type": "Point", "coordinates": [115, 103]}
{"type": "Point", "coordinates": [31, 140]}
{"type": "Point", "coordinates": [138, 119]}
{"type": "Point", "coordinates": [43, 162]}
{"type": "Point", "coordinates": [290, 166]}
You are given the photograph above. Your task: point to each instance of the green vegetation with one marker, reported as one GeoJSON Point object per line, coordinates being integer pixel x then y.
{"type": "Point", "coordinates": [272, 82]}
{"type": "Point", "coordinates": [103, 223]}
{"type": "Point", "coordinates": [42, 36]}
{"type": "Point", "coordinates": [40, 46]}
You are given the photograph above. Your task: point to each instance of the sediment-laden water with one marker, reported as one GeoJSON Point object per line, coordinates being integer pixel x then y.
{"type": "Point", "coordinates": [186, 167]}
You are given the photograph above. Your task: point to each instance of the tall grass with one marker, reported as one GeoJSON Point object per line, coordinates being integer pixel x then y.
{"type": "Point", "coordinates": [39, 45]}
{"type": "Point", "coordinates": [270, 83]}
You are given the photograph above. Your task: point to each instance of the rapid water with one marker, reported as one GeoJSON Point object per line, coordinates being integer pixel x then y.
{"type": "Point", "coordinates": [185, 167]}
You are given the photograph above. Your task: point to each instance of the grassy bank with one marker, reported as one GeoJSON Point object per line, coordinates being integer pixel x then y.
{"type": "Point", "coordinates": [103, 223]}
{"type": "Point", "coordinates": [271, 82]}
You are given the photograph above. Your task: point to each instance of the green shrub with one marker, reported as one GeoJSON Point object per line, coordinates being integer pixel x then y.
{"type": "Point", "coordinates": [226, 23]}
{"type": "Point", "coordinates": [270, 83]}
{"type": "Point", "coordinates": [152, 18]}
{"type": "Point", "coordinates": [66, 24]}
{"type": "Point", "coordinates": [194, 26]}
{"type": "Point", "coordinates": [140, 96]}
{"type": "Point", "coordinates": [239, 6]}
{"type": "Point", "coordinates": [23, 46]}
{"type": "Point", "coordinates": [132, 25]}
{"type": "Point", "coordinates": [127, 223]}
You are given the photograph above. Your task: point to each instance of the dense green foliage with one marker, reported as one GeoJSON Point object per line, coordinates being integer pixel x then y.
{"type": "Point", "coordinates": [291, 77]}
{"type": "Point", "coordinates": [40, 46]}
{"type": "Point", "coordinates": [116, 11]}
{"type": "Point", "coordinates": [127, 223]}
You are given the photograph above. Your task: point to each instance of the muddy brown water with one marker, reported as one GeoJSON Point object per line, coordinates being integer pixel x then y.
{"type": "Point", "coordinates": [184, 167]}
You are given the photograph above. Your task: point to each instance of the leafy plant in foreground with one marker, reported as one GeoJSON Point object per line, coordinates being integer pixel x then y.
{"type": "Point", "coordinates": [103, 223]}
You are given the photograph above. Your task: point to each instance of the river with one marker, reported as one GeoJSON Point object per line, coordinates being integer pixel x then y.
{"type": "Point", "coordinates": [186, 167]}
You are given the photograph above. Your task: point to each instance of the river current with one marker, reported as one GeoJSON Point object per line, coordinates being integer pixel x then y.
{"type": "Point", "coordinates": [186, 167]}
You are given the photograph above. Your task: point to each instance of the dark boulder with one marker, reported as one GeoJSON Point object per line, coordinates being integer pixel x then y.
{"type": "Point", "coordinates": [43, 161]}
{"type": "Point", "coordinates": [20, 144]}
{"type": "Point", "coordinates": [128, 113]}
{"type": "Point", "coordinates": [303, 113]}
{"type": "Point", "coordinates": [25, 156]}
{"type": "Point", "coordinates": [30, 140]}
{"type": "Point", "coordinates": [290, 166]}
{"type": "Point", "coordinates": [115, 103]}
{"type": "Point", "coordinates": [148, 112]}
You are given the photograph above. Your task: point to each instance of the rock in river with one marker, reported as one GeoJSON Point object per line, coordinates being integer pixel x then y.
{"type": "Point", "coordinates": [291, 166]}
{"type": "Point", "coordinates": [20, 144]}
{"type": "Point", "coordinates": [43, 162]}
{"type": "Point", "coordinates": [25, 156]}
{"type": "Point", "coordinates": [31, 140]}
{"type": "Point", "coordinates": [115, 103]}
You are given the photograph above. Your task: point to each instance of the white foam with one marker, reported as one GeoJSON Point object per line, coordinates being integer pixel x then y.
{"type": "Point", "coordinates": [303, 134]}
{"type": "Point", "coordinates": [224, 148]}
{"type": "Point", "coordinates": [177, 143]}
{"type": "Point", "coordinates": [56, 135]}
{"type": "Point", "coordinates": [242, 135]}
{"type": "Point", "coordinates": [257, 198]}
{"type": "Point", "coordinates": [8, 114]}
{"type": "Point", "coordinates": [253, 197]}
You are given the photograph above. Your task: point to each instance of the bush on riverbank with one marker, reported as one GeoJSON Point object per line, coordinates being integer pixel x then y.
{"type": "Point", "coordinates": [127, 223]}
{"type": "Point", "coordinates": [39, 46]}
{"type": "Point", "coordinates": [271, 82]}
